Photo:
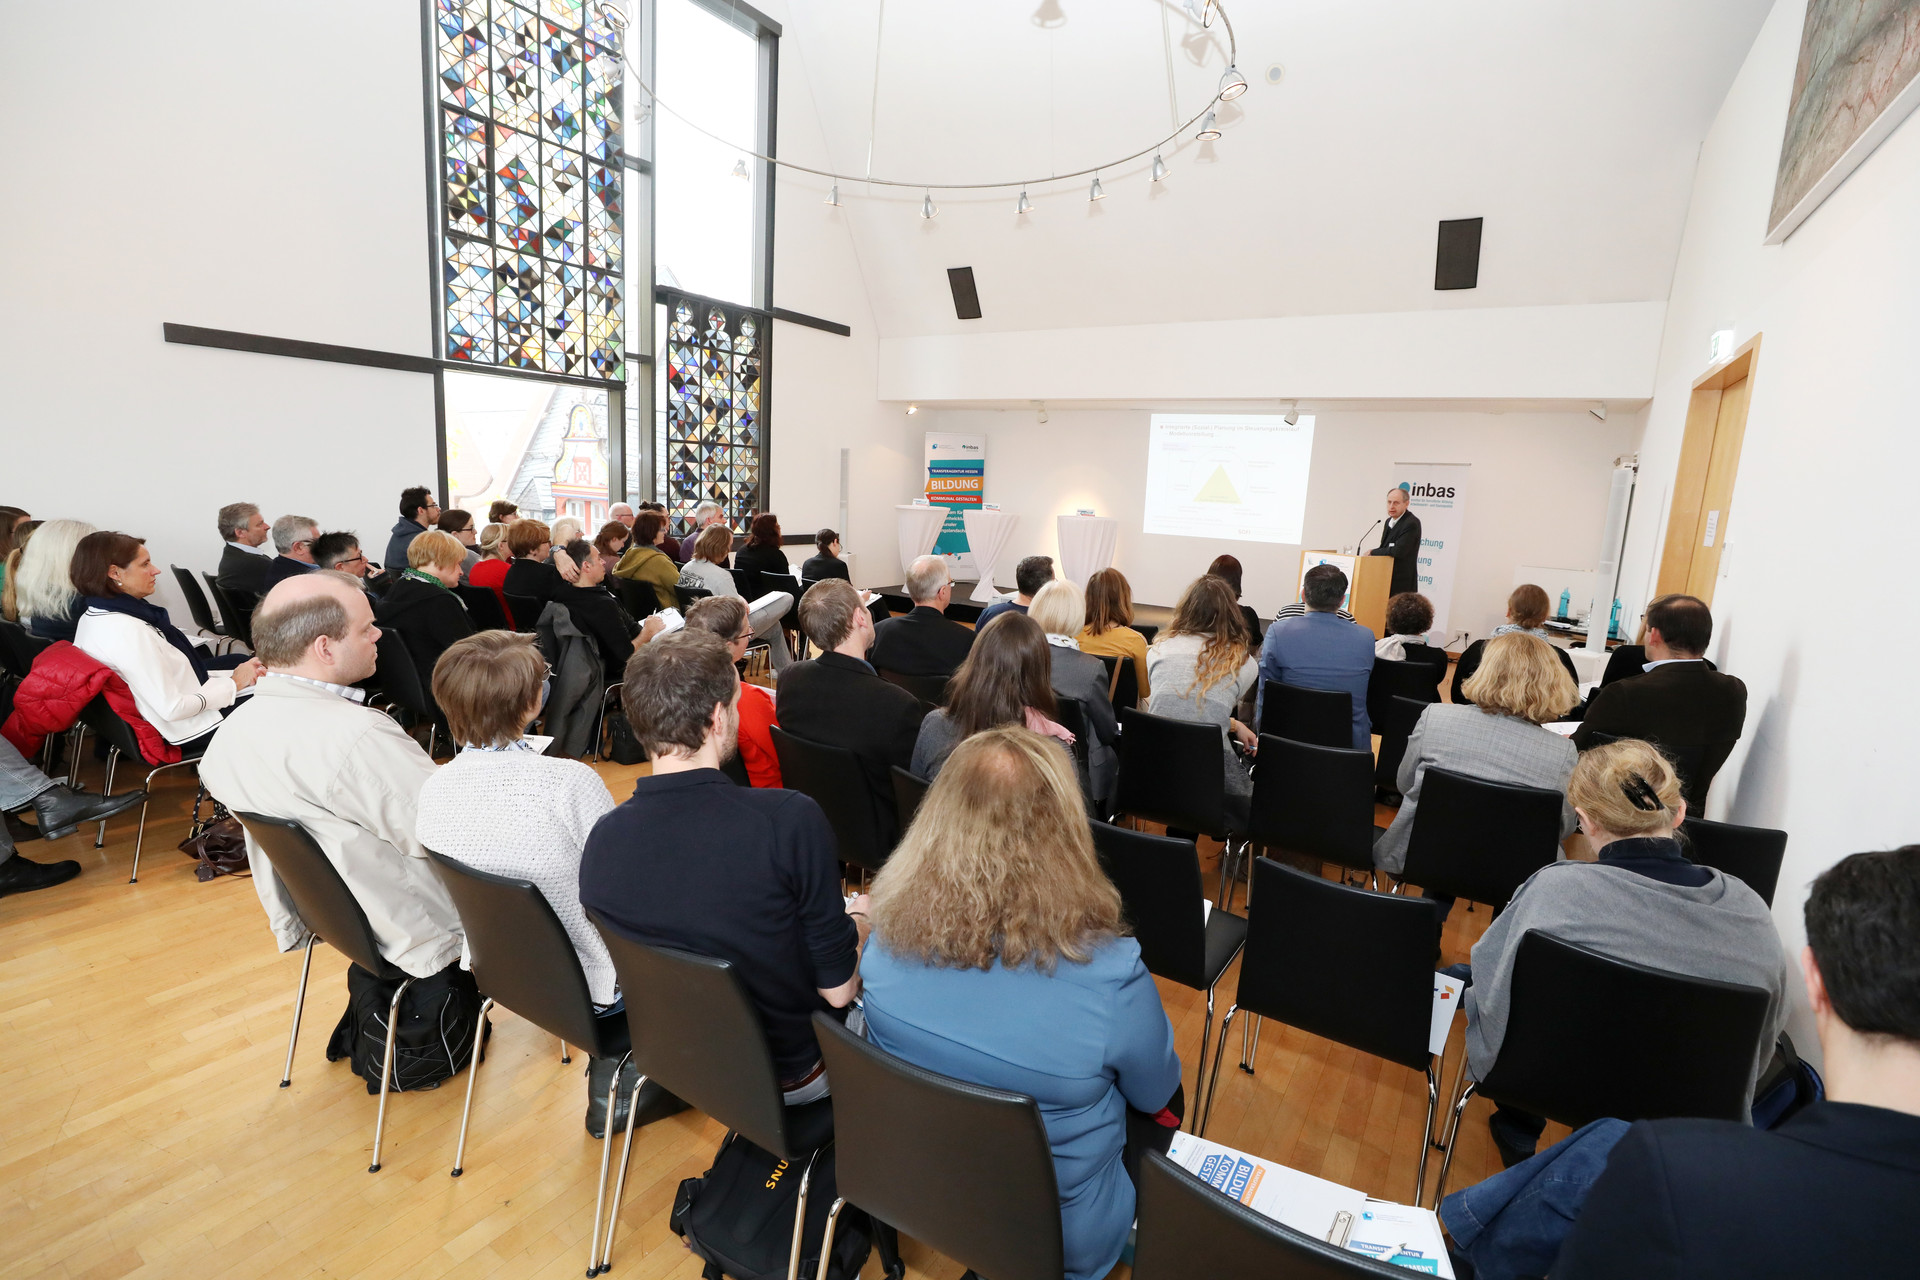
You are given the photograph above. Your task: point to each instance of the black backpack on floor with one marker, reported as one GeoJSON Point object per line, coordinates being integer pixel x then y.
{"type": "Point", "coordinates": [438, 1018]}
{"type": "Point", "coordinates": [738, 1218]}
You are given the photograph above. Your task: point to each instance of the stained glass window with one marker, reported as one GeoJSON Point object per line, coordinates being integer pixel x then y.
{"type": "Point", "coordinates": [531, 170]}
{"type": "Point", "coordinates": [710, 445]}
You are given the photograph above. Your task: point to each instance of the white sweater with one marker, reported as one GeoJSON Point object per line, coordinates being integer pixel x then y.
{"type": "Point", "coordinates": [521, 814]}
{"type": "Point", "coordinates": [165, 689]}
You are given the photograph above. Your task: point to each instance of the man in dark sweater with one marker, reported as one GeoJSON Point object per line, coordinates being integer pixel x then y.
{"type": "Point", "coordinates": [1029, 576]}
{"type": "Point", "coordinates": [923, 642]}
{"type": "Point", "coordinates": [749, 875]}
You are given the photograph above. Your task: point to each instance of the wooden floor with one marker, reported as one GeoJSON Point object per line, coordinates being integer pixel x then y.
{"type": "Point", "coordinates": [142, 1030]}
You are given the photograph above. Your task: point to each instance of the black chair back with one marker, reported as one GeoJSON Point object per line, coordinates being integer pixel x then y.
{"type": "Point", "coordinates": [1126, 685]}
{"type": "Point", "coordinates": [1402, 717]}
{"type": "Point", "coordinates": [687, 595]}
{"type": "Point", "coordinates": [639, 599]}
{"type": "Point", "coordinates": [909, 789]}
{"type": "Point", "coordinates": [1314, 800]}
{"type": "Point", "coordinates": [18, 648]}
{"type": "Point", "coordinates": [522, 956]}
{"type": "Point", "coordinates": [1417, 680]}
{"type": "Point", "coordinates": [396, 676]}
{"type": "Point", "coordinates": [1172, 771]}
{"type": "Point", "coordinates": [747, 583]}
{"type": "Point", "coordinates": [1589, 1036]}
{"type": "Point", "coordinates": [1752, 854]}
{"type": "Point", "coordinates": [930, 690]}
{"type": "Point", "coordinates": [837, 783]}
{"type": "Point", "coordinates": [695, 1031]}
{"type": "Point", "coordinates": [1694, 765]}
{"type": "Point", "coordinates": [1624, 662]}
{"type": "Point", "coordinates": [780, 582]}
{"type": "Point", "coordinates": [1159, 882]}
{"type": "Point", "coordinates": [1148, 630]}
{"type": "Point", "coordinates": [99, 716]}
{"type": "Point", "coordinates": [1070, 714]}
{"type": "Point", "coordinates": [1320, 716]}
{"type": "Point", "coordinates": [1425, 653]}
{"type": "Point", "coordinates": [196, 602]}
{"type": "Point", "coordinates": [320, 897]}
{"type": "Point", "coordinates": [484, 608]}
{"type": "Point", "coordinates": [989, 1201]}
{"type": "Point", "coordinates": [526, 612]}
{"type": "Point", "coordinates": [235, 606]}
{"type": "Point", "coordinates": [1481, 840]}
{"type": "Point", "coordinates": [1186, 1229]}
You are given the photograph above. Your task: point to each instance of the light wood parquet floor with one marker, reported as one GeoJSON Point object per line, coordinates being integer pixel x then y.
{"type": "Point", "coordinates": [142, 1030]}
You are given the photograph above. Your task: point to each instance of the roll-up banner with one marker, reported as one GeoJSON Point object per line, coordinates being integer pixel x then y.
{"type": "Point", "coordinates": [1437, 494]}
{"type": "Point", "coordinates": [956, 475]}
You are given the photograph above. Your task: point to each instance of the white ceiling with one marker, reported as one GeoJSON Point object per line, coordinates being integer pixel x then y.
{"type": "Point", "coordinates": [1571, 128]}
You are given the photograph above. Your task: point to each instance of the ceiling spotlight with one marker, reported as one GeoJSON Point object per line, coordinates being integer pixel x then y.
{"type": "Point", "coordinates": [613, 15]}
{"type": "Point", "coordinates": [1026, 205]}
{"type": "Point", "coordinates": [1040, 410]}
{"type": "Point", "coordinates": [1159, 167]}
{"type": "Point", "coordinates": [1232, 84]}
{"type": "Point", "coordinates": [1599, 411]}
{"type": "Point", "coordinates": [833, 196]}
{"type": "Point", "coordinates": [912, 409]}
{"type": "Point", "coordinates": [1292, 415]}
{"type": "Point", "coordinates": [927, 207]}
{"type": "Point", "coordinates": [1094, 192]}
{"type": "Point", "coordinates": [1209, 130]}
{"type": "Point", "coordinates": [740, 167]}
{"type": "Point", "coordinates": [1212, 11]}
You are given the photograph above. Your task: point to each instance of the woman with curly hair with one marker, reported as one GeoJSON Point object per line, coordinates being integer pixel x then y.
{"type": "Point", "coordinates": [1201, 667]}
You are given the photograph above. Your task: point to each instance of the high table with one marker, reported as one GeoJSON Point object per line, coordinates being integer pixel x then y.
{"type": "Point", "coordinates": [919, 530]}
{"type": "Point", "coordinates": [988, 533]}
{"type": "Point", "coordinates": [1086, 545]}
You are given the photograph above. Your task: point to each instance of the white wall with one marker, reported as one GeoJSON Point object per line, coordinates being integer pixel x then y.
{"type": "Point", "coordinates": [1538, 492]}
{"type": "Point", "coordinates": [1815, 579]}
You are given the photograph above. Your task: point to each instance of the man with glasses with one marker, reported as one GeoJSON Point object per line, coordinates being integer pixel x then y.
{"type": "Point", "coordinates": [340, 551]}
{"type": "Point", "coordinates": [418, 511]}
{"type": "Point", "coordinates": [293, 538]}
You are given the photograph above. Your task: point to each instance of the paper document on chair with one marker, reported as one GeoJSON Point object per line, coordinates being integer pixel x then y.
{"type": "Point", "coordinates": [771, 598]}
{"type": "Point", "coordinates": [1313, 1206]}
{"type": "Point", "coordinates": [1403, 1235]}
{"type": "Point", "coordinates": [1565, 728]}
{"type": "Point", "coordinates": [1206, 910]}
{"type": "Point", "coordinates": [1446, 1003]}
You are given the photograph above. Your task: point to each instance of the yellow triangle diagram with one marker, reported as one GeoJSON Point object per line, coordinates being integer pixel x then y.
{"type": "Point", "coordinates": [1218, 488]}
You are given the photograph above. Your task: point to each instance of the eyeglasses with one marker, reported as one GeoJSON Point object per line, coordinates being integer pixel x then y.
{"type": "Point", "coordinates": [361, 557]}
{"type": "Point", "coordinates": [743, 637]}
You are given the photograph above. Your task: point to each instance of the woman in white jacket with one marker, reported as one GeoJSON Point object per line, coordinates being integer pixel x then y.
{"type": "Point", "coordinates": [180, 689]}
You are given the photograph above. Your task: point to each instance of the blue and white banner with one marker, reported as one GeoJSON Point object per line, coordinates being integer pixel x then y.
{"type": "Point", "coordinates": [1437, 494]}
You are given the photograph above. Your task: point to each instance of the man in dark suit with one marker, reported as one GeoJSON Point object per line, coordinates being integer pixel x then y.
{"type": "Point", "coordinates": [241, 567]}
{"type": "Point", "coordinates": [293, 538]}
{"type": "Point", "coordinates": [924, 641]}
{"type": "Point", "coordinates": [1680, 703]}
{"type": "Point", "coordinates": [839, 700]}
{"type": "Point", "coordinates": [1831, 1192]}
{"type": "Point", "coordinates": [1401, 540]}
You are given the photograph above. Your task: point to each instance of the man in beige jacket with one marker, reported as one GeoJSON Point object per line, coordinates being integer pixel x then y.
{"type": "Point", "coordinates": [304, 748]}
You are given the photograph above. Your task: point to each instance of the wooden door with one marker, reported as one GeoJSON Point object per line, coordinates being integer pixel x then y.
{"type": "Point", "coordinates": [1698, 520]}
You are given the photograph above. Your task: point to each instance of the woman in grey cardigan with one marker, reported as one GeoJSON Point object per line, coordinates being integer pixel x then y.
{"type": "Point", "coordinates": [1061, 610]}
{"type": "Point", "coordinates": [1520, 686]}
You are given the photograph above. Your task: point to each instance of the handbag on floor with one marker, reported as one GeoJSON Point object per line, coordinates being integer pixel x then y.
{"type": "Point", "coordinates": [623, 746]}
{"type": "Point", "coordinates": [221, 847]}
{"type": "Point", "coordinates": [438, 1018]}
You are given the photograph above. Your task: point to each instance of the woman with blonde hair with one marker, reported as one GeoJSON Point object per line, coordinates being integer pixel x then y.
{"type": "Point", "coordinates": [43, 590]}
{"type": "Point", "coordinates": [1202, 666]}
{"type": "Point", "coordinates": [1498, 737]}
{"type": "Point", "coordinates": [9, 594]}
{"type": "Point", "coordinates": [1643, 901]}
{"type": "Point", "coordinates": [1060, 610]}
{"type": "Point", "coordinates": [999, 956]}
{"type": "Point", "coordinates": [1109, 630]}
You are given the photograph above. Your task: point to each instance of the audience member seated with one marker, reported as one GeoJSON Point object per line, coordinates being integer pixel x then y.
{"type": "Point", "coordinates": [495, 559]}
{"type": "Point", "coordinates": [645, 559]}
{"type": "Point", "coordinates": [923, 641]}
{"type": "Point", "coordinates": [611, 543]}
{"type": "Point", "coordinates": [621, 513]}
{"type": "Point", "coordinates": [825, 562]}
{"type": "Point", "coordinates": [1526, 610]}
{"type": "Point", "coordinates": [750, 875]}
{"type": "Point", "coordinates": [243, 566]}
{"type": "Point", "coordinates": [1006, 680]}
{"type": "Point", "coordinates": [1029, 576]}
{"type": "Point", "coordinates": [1320, 650]}
{"type": "Point", "coordinates": [839, 700]}
{"type": "Point", "coordinates": [1643, 901]}
{"type": "Point", "coordinates": [340, 552]}
{"type": "Point", "coordinates": [304, 749]}
{"type": "Point", "coordinates": [1060, 611]}
{"type": "Point", "coordinates": [1227, 569]}
{"type": "Point", "coordinates": [762, 553]}
{"type": "Point", "coordinates": [596, 612]}
{"type": "Point", "coordinates": [531, 574]}
{"type": "Point", "coordinates": [9, 592]}
{"type": "Point", "coordinates": [460, 524]}
{"type": "Point", "coordinates": [999, 956]}
{"type": "Point", "coordinates": [726, 617]}
{"type": "Point", "coordinates": [1109, 631]}
{"type": "Point", "coordinates": [57, 809]}
{"type": "Point", "coordinates": [421, 604]}
{"type": "Point", "coordinates": [707, 571]}
{"type": "Point", "coordinates": [44, 594]}
{"type": "Point", "coordinates": [12, 521]}
{"type": "Point", "coordinates": [1831, 1191]}
{"type": "Point", "coordinates": [502, 512]}
{"type": "Point", "coordinates": [1201, 666]}
{"type": "Point", "coordinates": [417, 511]}
{"type": "Point", "coordinates": [180, 689]}
{"type": "Point", "coordinates": [669, 545]}
{"type": "Point", "coordinates": [705, 515]}
{"type": "Point", "coordinates": [293, 538]}
{"type": "Point", "coordinates": [1496, 737]}
{"type": "Point", "coordinates": [1680, 703]}
{"type": "Point", "coordinates": [1409, 618]}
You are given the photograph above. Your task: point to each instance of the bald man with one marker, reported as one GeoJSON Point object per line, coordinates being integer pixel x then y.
{"type": "Point", "coordinates": [305, 748]}
{"type": "Point", "coordinates": [1401, 540]}
{"type": "Point", "coordinates": [623, 513]}
{"type": "Point", "coordinates": [923, 641]}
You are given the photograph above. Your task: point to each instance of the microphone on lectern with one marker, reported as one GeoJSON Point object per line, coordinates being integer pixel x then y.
{"type": "Point", "coordinates": [1367, 534]}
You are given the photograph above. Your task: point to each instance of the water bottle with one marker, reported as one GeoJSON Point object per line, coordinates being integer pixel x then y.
{"type": "Point", "coordinates": [1566, 598]}
{"type": "Point", "coordinates": [1613, 623]}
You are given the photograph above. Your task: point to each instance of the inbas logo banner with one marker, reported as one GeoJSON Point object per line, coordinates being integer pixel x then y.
{"type": "Point", "coordinates": [1427, 490]}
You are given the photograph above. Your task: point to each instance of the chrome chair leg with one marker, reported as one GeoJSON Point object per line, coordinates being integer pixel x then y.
{"type": "Point", "coordinates": [386, 1073]}
{"type": "Point", "coordinates": [1213, 1084]}
{"type": "Point", "coordinates": [1459, 1073]}
{"type": "Point", "coordinates": [140, 836]}
{"type": "Point", "coordinates": [565, 1056]}
{"type": "Point", "coordinates": [1453, 1134]}
{"type": "Point", "coordinates": [473, 1073]}
{"type": "Point", "coordinates": [626, 1159]}
{"type": "Point", "coordinates": [1200, 1071]}
{"type": "Point", "coordinates": [826, 1237]}
{"type": "Point", "coordinates": [1433, 1102]}
{"type": "Point", "coordinates": [606, 1156]}
{"type": "Point", "coordinates": [800, 1217]}
{"type": "Point", "coordinates": [299, 1003]}
{"type": "Point", "coordinates": [106, 789]}
{"type": "Point", "coordinates": [1248, 1051]}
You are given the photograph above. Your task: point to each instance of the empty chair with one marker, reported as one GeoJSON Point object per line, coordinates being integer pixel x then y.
{"type": "Point", "coordinates": [1752, 854]}
{"type": "Point", "coordinates": [123, 743]}
{"type": "Point", "coordinates": [909, 789]}
{"type": "Point", "coordinates": [1320, 716]}
{"type": "Point", "coordinates": [1395, 725]}
{"type": "Point", "coordinates": [400, 682]}
{"type": "Point", "coordinates": [197, 605]}
{"type": "Point", "coordinates": [985, 1194]}
{"type": "Point", "coordinates": [1180, 940]}
{"type": "Point", "coordinates": [332, 914]}
{"type": "Point", "coordinates": [832, 776]}
{"type": "Point", "coordinates": [1480, 840]}
{"type": "Point", "coordinates": [525, 611]}
{"type": "Point", "coordinates": [1589, 1036]}
{"type": "Point", "coordinates": [1371, 958]}
{"type": "Point", "coordinates": [1316, 801]}
{"type": "Point", "coordinates": [1170, 773]}
{"type": "Point", "coordinates": [930, 690]}
{"type": "Point", "coordinates": [236, 608]}
{"type": "Point", "coordinates": [1147, 630]}
{"type": "Point", "coordinates": [703, 1040]}
{"type": "Point", "coordinates": [1417, 680]}
{"type": "Point", "coordinates": [484, 607]}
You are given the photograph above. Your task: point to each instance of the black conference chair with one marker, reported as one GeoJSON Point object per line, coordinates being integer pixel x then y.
{"type": "Point", "coordinates": [400, 683]}
{"type": "Point", "coordinates": [1320, 716]}
{"type": "Point", "coordinates": [203, 619]}
{"type": "Point", "coordinates": [1425, 653]}
{"type": "Point", "coordinates": [1480, 840]}
{"type": "Point", "coordinates": [1623, 663]}
{"type": "Point", "coordinates": [1172, 772]}
{"type": "Point", "coordinates": [909, 789]}
{"type": "Point", "coordinates": [526, 612]}
{"type": "Point", "coordinates": [1417, 680]}
{"type": "Point", "coordinates": [781, 582]}
{"type": "Point", "coordinates": [1123, 683]}
{"type": "Point", "coordinates": [987, 1197]}
{"type": "Point", "coordinates": [1402, 716]}
{"type": "Point", "coordinates": [123, 743]}
{"type": "Point", "coordinates": [747, 583]}
{"type": "Point", "coordinates": [1186, 1229]}
{"type": "Point", "coordinates": [1147, 630]}
{"type": "Point", "coordinates": [236, 607]}
{"type": "Point", "coordinates": [930, 690]}
{"type": "Point", "coordinates": [687, 595]}
{"type": "Point", "coordinates": [1180, 940]}
{"type": "Point", "coordinates": [1589, 1036]}
{"type": "Point", "coordinates": [1752, 854]}
{"type": "Point", "coordinates": [1071, 715]}
{"type": "Point", "coordinates": [835, 779]}
{"type": "Point", "coordinates": [639, 599]}
{"type": "Point", "coordinates": [1371, 957]}
{"type": "Point", "coordinates": [1316, 801]}
{"type": "Point", "coordinates": [523, 960]}
{"type": "Point", "coordinates": [703, 1041]}
{"type": "Point", "coordinates": [1694, 765]}
{"type": "Point", "coordinates": [484, 608]}
{"type": "Point", "coordinates": [332, 914]}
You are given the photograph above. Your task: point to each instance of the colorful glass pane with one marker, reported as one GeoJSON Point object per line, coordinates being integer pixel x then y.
{"type": "Point", "coordinates": [711, 446]}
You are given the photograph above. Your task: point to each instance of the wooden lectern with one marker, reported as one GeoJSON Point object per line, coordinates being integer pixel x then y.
{"type": "Point", "coordinates": [1369, 583]}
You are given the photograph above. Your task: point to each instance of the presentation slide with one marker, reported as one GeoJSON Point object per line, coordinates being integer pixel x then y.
{"type": "Point", "coordinates": [1232, 476]}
